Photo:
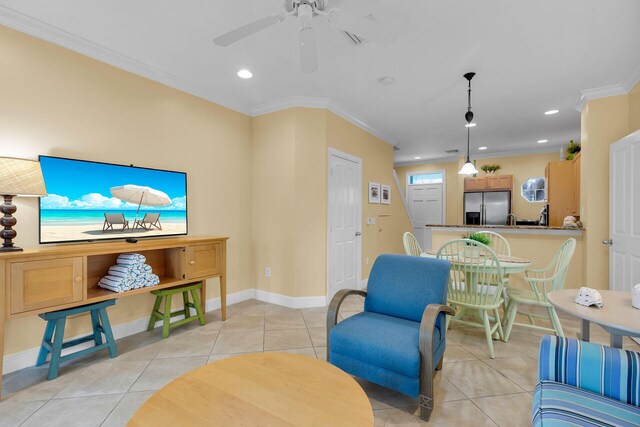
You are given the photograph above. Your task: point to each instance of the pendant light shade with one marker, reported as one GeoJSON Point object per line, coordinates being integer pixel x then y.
{"type": "Point", "coordinates": [468, 168]}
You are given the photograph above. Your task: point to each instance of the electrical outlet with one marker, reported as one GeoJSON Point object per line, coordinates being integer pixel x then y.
{"type": "Point", "coordinates": [267, 272]}
{"type": "Point", "coordinates": [371, 220]}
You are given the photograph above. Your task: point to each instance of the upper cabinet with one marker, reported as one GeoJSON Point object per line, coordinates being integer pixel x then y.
{"type": "Point", "coordinates": [563, 190]}
{"type": "Point", "coordinates": [489, 183]}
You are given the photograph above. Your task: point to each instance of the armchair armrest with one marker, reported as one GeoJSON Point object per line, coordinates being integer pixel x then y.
{"type": "Point", "coordinates": [427, 326]}
{"type": "Point", "coordinates": [334, 308]}
{"type": "Point", "coordinates": [594, 367]}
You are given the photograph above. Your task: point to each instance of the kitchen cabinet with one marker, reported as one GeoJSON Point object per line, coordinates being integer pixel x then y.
{"type": "Point", "coordinates": [563, 190]}
{"type": "Point", "coordinates": [489, 183]}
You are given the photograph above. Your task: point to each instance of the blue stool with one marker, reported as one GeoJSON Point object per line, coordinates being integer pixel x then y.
{"type": "Point", "coordinates": [55, 324]}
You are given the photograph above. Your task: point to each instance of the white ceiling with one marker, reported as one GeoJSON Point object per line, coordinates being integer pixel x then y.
{"type": "Point", "coordinates": [530, 56]}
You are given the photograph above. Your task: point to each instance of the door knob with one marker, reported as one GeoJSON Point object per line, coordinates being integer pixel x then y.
{"type": "Point", "coordinates": [608, 242]}
{"type": "Point", "coordinates": [358, 234]}
{"type": "Point", "coordinates": [192, 262]}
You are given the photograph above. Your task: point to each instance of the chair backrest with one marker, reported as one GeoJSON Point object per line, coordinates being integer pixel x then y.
{"type": "Point", "coordinates": [476, 276]}
{"type": "Point", "coordinates": [151, 217]}
{"type": "Point", "coordinates": [114, 218]}
{"type": "Point", "coordinates": [498, 243]}
{"type": "Point", "coordinates": [560, 264]}
{"type": "Point", "coordinates": [411, 245]}
{"type": "Point", "coordinates": [402, 286]}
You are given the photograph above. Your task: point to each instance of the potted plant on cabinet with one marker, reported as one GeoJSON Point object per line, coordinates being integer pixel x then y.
{"type": "Point", "coordinates": [573, 149]}
{"type": "Point", "coordinates": [490, 169]}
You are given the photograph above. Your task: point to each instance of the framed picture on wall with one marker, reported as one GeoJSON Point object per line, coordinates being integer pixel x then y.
{"type": "Point", "coordinates": [374, 192]}
{"type": "Point", "coordinates": [385, 194]}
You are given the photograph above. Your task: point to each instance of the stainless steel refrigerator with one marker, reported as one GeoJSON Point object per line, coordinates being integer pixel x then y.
{"type": "Point", "coordinates": [487, 208]}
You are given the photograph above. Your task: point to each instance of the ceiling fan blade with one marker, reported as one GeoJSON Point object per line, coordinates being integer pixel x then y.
{"type": "Point", "coordinates": [246, 30]}
{"type": "Point", "coordinates": [308, 50]}
{"type": "Point", "coordinates": [364, 27]}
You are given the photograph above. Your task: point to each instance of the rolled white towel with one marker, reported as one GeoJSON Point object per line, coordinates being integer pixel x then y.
{"type": "Point", "coordinates": [131, 259]}
{"type": "Point", "coordinates": [115, 284]}
{"type": "Point", "coordinates": [121, 270]}
{"type": "Point", "coordinates": [152, 280]}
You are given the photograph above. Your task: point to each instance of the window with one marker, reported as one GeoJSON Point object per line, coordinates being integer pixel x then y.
{"type": "Point", "coordinates": [533, 189]}
{"type": "Point", "coordinates": [426, 178]}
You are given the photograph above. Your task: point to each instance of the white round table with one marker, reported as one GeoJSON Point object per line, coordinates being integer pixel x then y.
{"type": "Point", "coordinates": [618, 317]}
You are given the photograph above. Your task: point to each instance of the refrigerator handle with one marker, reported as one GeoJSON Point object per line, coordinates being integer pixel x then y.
{"type": "Point", "coordinates": [482, 214]}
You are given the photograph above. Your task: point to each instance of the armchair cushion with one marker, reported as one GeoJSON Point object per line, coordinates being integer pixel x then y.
{"type": "Point", "coordinates": [402, 286]}
{"type": "Point", "coordinates": [382, 349]}
{"type": "Point", "coordinates": [561, 404]}
{"type": "Point", "coordinates": [603, 370]}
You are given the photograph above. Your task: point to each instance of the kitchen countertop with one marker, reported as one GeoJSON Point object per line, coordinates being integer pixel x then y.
{"type": "Point", "coordinates": [514, 229]}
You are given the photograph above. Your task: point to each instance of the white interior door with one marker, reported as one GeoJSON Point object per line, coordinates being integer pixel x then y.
{"type": "Point", "coordinates": [345, 217]}
{"type": "Point", "coordinates": [426, 208]}
{"type": "Point", "coordinates": [624, 213]}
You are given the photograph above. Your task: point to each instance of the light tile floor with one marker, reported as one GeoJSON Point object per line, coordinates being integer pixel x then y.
{"type": "Point", "coordinates": [95, 390]}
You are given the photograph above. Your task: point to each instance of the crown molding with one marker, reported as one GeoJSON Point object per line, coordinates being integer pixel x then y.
{"type": "Point", "coordinates": [322, 103]}
{"type": "Point", "coordinates": [25, 24]}
{"type": "Point", "coordinates": [614, 90]}
{"type": "Point", "coordinates": [493, 155]}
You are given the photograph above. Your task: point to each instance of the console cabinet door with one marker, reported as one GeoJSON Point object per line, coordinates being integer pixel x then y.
{"type": "Point", "coordinates": [45, 284]}
{"type": "Point", "coordinates": [204, 260]}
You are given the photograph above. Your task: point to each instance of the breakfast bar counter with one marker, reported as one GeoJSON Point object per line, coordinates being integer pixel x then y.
{"type": "Point", "coordinates": [510, 229]}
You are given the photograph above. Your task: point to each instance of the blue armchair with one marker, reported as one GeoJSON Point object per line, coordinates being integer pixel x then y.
{"type": "Point", "coordinates": [399, 339]}
{"type": "Point", "coordinates": [586, 384]}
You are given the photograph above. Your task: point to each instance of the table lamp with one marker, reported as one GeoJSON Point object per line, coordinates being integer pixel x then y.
{"type": "Point", "coordinates": [18, 178]}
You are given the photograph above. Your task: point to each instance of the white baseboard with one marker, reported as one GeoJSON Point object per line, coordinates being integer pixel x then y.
{"type": "Point", "coordinates": [24, 359]}
{"type": "Point", "coordinates": [291, 302]}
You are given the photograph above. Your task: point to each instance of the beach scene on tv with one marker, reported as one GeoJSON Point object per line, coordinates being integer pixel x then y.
{"type": "Point", "coordinates": [94, 201]}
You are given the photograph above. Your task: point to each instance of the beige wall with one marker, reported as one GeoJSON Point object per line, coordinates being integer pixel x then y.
{"type": "Point", "coordinates": [604, 121]}
{"type": "Point", "coordinates": [56, 102]}
{"type": "Point", "coordinates": [521, 167]}
{"type": "Point", "coordinates": [289, 157]}
{"type": "Point", "coordinates": [392, 220]}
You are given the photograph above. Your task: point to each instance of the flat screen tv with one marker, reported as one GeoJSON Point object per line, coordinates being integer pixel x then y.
{"type": "Point", "coordinates": [89, 201]}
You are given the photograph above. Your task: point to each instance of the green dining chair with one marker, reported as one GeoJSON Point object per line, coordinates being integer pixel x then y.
{"type": "Point", "coordinates": [411, 245]}
{"type": "Point", "coordinates": [541, 283]}
{"type": "Point", "coordinates": [475, 286]}
{"type": "Point", "coordinates": [498, 243]}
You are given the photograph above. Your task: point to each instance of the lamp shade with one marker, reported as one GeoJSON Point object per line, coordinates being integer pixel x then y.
{"type": "Point", "coordinates": [21, 177]}
{"type": "Point", "coordinates": [468, 169]}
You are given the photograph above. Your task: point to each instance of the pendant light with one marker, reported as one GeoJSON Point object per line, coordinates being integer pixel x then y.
{"type": "Point", "coordinates": [468, 168]}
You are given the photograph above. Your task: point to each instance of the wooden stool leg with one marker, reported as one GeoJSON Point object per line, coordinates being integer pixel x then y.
{"type": "Point", "coordinates": [108, 333]}
{"type": "Point", "coordinates": [166, 318]}
{"type": "Point", "coordinates": [196, 302]}
{"type": "Point", "coordinates": [95, 323]}
{"type": "Point", "coordinates": [154, 314]}
{"type": "Point", "coordinates": [44, 350]}
{"type": "Point", "coordinates": [57, 348]}
{"type": "Point", "coordinates": [185, 301]}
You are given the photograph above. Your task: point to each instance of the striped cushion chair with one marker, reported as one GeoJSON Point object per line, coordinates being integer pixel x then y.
{"type": "Point", "coordinates": [586, 384]}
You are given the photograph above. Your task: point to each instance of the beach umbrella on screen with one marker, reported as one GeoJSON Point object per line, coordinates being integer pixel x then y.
{"type": "Point", "coordinates": [141, 195]}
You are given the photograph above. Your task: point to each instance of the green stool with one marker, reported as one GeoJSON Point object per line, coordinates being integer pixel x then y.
{"type": "Point", "coordinates": [55, 325]}
{"type": "Point", "coordinates": [167, 315]}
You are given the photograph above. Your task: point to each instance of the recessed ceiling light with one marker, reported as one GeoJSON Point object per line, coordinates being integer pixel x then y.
{"type": "Point", "coordinates": [542, 141]}
{"type": "Point", "coordinates": [551, 112]}
{"type": "Point", "coordinates": [386, 80]}
{"type": "Point", "coordinates": [470, 125]}
{"type": "Point", "coordinates": [245, 74]}
{"type": "Point", "coordinates": [417, 157]}
{"type": "Point", "coordinates": [482, 148]}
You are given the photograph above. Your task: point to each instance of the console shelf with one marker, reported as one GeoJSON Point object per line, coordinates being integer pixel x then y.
{"type": "Point", "coordinates": [52, 278]}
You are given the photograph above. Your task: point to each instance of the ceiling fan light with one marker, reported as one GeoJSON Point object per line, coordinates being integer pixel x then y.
{"type": "Point", "coordinates": [468, 169]}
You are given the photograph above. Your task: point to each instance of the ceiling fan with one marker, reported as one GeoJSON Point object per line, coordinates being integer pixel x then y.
{"type": "Point", "coordinates": [365, 27]}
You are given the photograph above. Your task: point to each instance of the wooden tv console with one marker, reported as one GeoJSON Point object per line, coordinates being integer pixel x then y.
{"type": "Point", "coordinates": [52, 278]}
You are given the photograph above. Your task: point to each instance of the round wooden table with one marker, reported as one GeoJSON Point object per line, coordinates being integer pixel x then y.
{"type": "Point", "coordinates": [267, 389]}
{"type": "Point", "coordinates": [618, 317]}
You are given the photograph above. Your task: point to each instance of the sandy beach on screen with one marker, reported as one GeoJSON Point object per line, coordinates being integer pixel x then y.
{"type": "Point", "coordinates": [57, 233]}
